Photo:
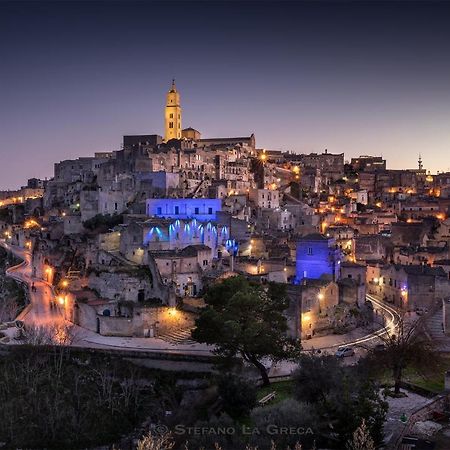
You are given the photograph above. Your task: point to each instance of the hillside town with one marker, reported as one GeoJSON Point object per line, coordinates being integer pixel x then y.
{"type": "Point", "coordinates": [126, 245]}
{"type": "Point", "coordinates": [131, 239]}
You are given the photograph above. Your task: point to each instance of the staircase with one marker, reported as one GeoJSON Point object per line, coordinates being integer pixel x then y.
{"type": "Point", "coordinates": [178, 336]}
{"type": "Point", "coordinates": [434, 325]}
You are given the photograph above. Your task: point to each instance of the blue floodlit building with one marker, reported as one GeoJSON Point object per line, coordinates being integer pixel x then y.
{"type": "Point", "coordinates": [184, 208]}
{"type": "Point", "coordinates": [317, 256]}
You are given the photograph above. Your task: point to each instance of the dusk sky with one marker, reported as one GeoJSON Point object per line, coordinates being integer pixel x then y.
{"type": "Point", "coordinates": [353, 77]}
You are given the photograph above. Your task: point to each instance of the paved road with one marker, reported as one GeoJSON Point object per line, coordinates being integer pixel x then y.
{"type": "Point", "coordinates": [40, 313]}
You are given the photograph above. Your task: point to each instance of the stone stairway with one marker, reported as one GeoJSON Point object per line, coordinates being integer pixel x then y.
{"type": "Point", "coordinates": [436, 332]}
{"type": "Point", "coordinates": [434, 326]}
{"type": "Point", "coordinates": [178, 336]}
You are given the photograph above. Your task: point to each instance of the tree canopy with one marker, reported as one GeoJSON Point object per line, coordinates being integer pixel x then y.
{"type": "Point", "coordinates": [341, 396]}
{"type": "Point", "coordinates": [246, 319]}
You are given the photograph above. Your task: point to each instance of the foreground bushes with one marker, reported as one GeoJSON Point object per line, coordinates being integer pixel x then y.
{"type": "Point", "coordinates": [52, 398]}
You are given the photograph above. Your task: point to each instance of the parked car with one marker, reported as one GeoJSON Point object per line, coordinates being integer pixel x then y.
{"type": "Point", "coordinates": [379, 348]}
{"type": "Point", "coordinates": [421, 311]}
{"type": "Point", "coordinates": [343, 352]}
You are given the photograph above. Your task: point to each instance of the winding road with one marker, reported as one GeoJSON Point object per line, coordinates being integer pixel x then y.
{"type": "Point", "coordinates": [39, 312]}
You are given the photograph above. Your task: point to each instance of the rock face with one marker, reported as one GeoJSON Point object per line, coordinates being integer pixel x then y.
{"type": "Point", "coordinates": [135, 285]}
{"type": "Point", "coordinates": [12, 294]}
{"type": "Point", "coordinates": [120, 286]}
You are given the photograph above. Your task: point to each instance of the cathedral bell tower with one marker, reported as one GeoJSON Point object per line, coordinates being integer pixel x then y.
{"type": "Point", "coordinates": [172, 114]}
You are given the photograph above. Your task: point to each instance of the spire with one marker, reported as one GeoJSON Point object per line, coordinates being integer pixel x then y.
{"type": "Point", "coordinates": [173, 88]}
{"type": "Point", "coordinates": [420, 162]}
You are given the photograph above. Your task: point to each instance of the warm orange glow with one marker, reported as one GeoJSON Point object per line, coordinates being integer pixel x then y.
{"type": "Point", "coordinates": [31, 223]}
{"type": "Point", "coordinates": [378, 204]}
{"type": "Point", "coordinates": [64, 283]}
{"type": "Point", "coordinates": [172, 311]}
{"type": "Point", "coordinates": [263, 157]}
{"type": "Point", "coordinates": [440, 216]}
{"type": "Point", "coordinates": [61, 300]}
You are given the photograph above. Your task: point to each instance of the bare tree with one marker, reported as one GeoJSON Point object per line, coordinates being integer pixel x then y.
{"type": "Point", "coordinates": [406, 345]}
{"type": "Point", "coordinates": [63, 334]}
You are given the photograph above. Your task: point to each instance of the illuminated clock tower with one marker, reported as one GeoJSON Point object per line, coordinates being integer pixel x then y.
{"type": "Point", "coordinates": [173, 114]}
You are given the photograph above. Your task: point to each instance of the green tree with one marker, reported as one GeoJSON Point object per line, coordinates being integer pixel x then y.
{"type": "Point", "coordinates": [246, 319]}
{"type": "Point", "coordinates": [238, 396]}
{"type": "Point", "coordinates": [326, 379]}
{"type": "Point", "coordinates": [341, 395]}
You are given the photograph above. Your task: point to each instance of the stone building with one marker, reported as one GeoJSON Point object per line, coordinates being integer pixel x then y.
{"type": "Point", "coordinates": [408, 286]}
{"type": "Point", "coordinates": [317, 256]}
{"type": "Point", "coordinates": [265, 198]}
{"type": "Point", "coordinates": [184, 268]}
{"type": "Point", "coordinates": [353, 292]}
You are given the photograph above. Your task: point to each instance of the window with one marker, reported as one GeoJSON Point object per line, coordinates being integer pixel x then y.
{"type": "Point", "coordinates": [177, 210]}
{"type": "Point", "coordinates": [159, 210]}
{"type": "Point", "coordinates": [171, 116]}
{"type": "Point", "coordinates": [197, 211]}
{"type": "Point", "coordinates": [115, 206]}
{"type": "Point", "coordinates": [170, 124]}
{"type": "Point", "coordinates": [210, 210]}
{"type": "Point", "coordinates": [310, 252]}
